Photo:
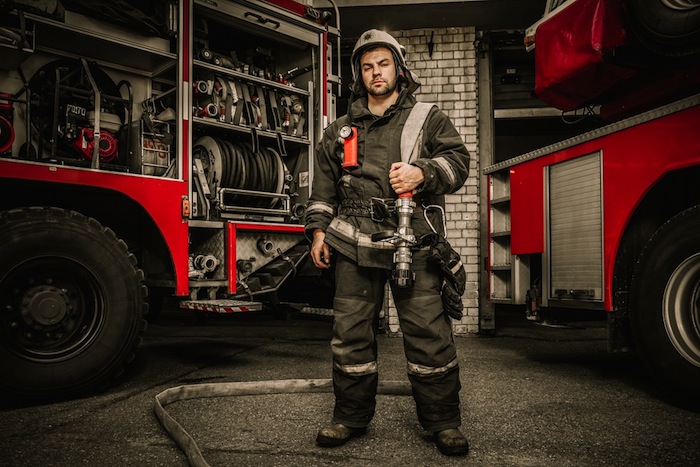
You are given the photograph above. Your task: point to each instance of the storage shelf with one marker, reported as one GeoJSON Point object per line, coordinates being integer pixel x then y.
{"type": "Point", "coordinates": [211, 123]}
{"type": "Point", "coordinates": [509, 275]}
{"type": "Point", "coordinates": [502, 200]}
{"type": "Point", "coordinates": [502, 300]}
{"type": "Point", "coordinates": [527, 112]}
{"type": "Point", "coordinates": [505, 233]}
{"type": "Point", "coordinates": [89, 38]}
{"type": "Point", "coordinates": [251, 78]}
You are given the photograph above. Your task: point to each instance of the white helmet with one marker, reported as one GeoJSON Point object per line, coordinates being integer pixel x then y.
{"type": "Point", "coordinates": [376, 38]}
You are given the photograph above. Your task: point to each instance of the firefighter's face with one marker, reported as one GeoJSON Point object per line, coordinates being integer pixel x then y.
{"type": "Point", "coordinates": [378, 71]}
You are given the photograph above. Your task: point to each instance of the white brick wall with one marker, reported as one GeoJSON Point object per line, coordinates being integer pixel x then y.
{"type": "Point", "coordinates": [448, 78]}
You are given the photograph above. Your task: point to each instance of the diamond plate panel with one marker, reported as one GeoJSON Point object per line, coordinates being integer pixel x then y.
{"type": "Point", "coordinates": [210, 242]}
{"type": "Point", "coordinates": [263, 247]}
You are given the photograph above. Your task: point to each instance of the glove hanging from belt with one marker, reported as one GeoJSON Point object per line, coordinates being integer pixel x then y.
{"type": "Point", "coordinates": [453, 273]}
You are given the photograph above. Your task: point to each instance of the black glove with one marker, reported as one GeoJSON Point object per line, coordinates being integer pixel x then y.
{"type": "Point", "coordinates": [454, 276]}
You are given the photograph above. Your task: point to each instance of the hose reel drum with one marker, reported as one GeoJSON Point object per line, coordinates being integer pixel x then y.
{"type": "Point", "coordinates": [241, 179]}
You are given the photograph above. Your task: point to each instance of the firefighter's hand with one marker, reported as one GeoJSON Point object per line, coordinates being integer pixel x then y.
{"type": "Point", "coordinates": [320, 251]}
{"type": "Point", "coordinates": [405, 178]}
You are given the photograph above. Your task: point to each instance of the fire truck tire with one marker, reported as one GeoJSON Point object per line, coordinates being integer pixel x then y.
{"type": "Point", "coordinates": [667, 27]}
{"type": "Point", "coordinates": [72, 304]}
{"type": "Point", "coordinates": [665, 310]}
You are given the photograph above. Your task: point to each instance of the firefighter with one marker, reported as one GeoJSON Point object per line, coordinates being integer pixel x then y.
{"type": "Point", "coordinates": [350, 203]}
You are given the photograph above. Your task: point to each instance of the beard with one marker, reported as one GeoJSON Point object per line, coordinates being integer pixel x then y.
{"type": "Point", "coordinates": [383, 90]}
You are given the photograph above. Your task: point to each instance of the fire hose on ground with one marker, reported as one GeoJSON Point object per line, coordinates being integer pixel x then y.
{"type": "Point", "coordinates": [244, 388]}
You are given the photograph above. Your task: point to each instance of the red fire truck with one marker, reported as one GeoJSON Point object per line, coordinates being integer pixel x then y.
{"type": "Point", "coordinates": [150, 149]}
{"type": "Point", "coordinates": [609, 220]}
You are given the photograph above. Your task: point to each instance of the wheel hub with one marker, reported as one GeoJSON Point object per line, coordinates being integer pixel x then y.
{"type": "Point", "coordinates": [681, 4]}
{"type": "Point", "coordinates": [681, 310]}
{"type": "Point", "coordinates": [45, 305]}
{"type": "Point", "coordinates": [48, 309]}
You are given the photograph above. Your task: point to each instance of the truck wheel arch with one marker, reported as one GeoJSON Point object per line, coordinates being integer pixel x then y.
{"type": "Point", "coordinates": [114, 210]}
{"type": "Point", "coordinates": [670, 195]}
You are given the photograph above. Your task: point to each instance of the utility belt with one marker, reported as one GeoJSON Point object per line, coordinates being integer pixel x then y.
{"type": "Point", "coordinates": [377, 209]}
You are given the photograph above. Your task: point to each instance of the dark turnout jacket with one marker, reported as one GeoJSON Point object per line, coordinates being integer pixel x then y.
{"type": "Point", "coordinates": [443, 158]}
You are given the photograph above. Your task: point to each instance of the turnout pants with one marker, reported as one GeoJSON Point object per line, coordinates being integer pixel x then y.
{"type": "Point", "coordinates": [429, 346]}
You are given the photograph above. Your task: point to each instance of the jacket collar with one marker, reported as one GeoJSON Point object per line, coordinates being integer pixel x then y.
{"type": "Point", "coordinates": [359, 109]}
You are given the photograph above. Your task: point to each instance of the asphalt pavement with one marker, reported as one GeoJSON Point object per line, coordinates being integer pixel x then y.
{"type": "Point", "coordinates": [531, 396]}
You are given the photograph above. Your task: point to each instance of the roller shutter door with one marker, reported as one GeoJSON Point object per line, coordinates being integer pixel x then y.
{"type": "Point", "coordinates": [576, 229]}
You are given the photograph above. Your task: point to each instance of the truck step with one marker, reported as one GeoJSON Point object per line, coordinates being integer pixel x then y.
{"type": "Point", "coordinates": [221, 305]}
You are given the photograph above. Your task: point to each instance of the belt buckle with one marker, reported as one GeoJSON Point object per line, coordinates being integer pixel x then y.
{"type": "Point", "coordinates": [371, 215]}
{"type": "Point", "coordinates": [379, 209]}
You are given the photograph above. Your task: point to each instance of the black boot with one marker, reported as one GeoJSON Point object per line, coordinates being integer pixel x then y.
{"type": "Point", "coordinates": [337, 435]}
{"type": "Point", "coordinates": [451, 442]}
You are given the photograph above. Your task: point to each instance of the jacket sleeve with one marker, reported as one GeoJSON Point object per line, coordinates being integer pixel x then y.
{"type": "Point", "coordinates": [444, 157]}
{"type": "Point", "coordinates": [322, 206]}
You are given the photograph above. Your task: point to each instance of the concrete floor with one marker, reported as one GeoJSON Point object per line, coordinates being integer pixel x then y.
{"type": "Point", "coordinates": [531, 396]}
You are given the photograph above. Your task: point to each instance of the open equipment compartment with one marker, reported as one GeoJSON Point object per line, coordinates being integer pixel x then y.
{"type": "Point", "coordinates": [253, 108]}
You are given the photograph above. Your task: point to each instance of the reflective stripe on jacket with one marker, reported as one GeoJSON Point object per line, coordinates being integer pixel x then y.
{"type": "Point", "coordinates": [443, 158]}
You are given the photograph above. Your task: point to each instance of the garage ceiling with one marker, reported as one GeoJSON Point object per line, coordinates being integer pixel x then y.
{"type": "Point", "coordinates": [357, 16]}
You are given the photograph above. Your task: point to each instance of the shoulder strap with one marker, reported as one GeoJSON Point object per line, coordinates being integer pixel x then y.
{"type": "Point", "coordinates": [413, 131]}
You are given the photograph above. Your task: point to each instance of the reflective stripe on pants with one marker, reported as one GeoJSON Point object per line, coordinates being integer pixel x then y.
{"type": "Point", "coordinates": [428, 344]}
